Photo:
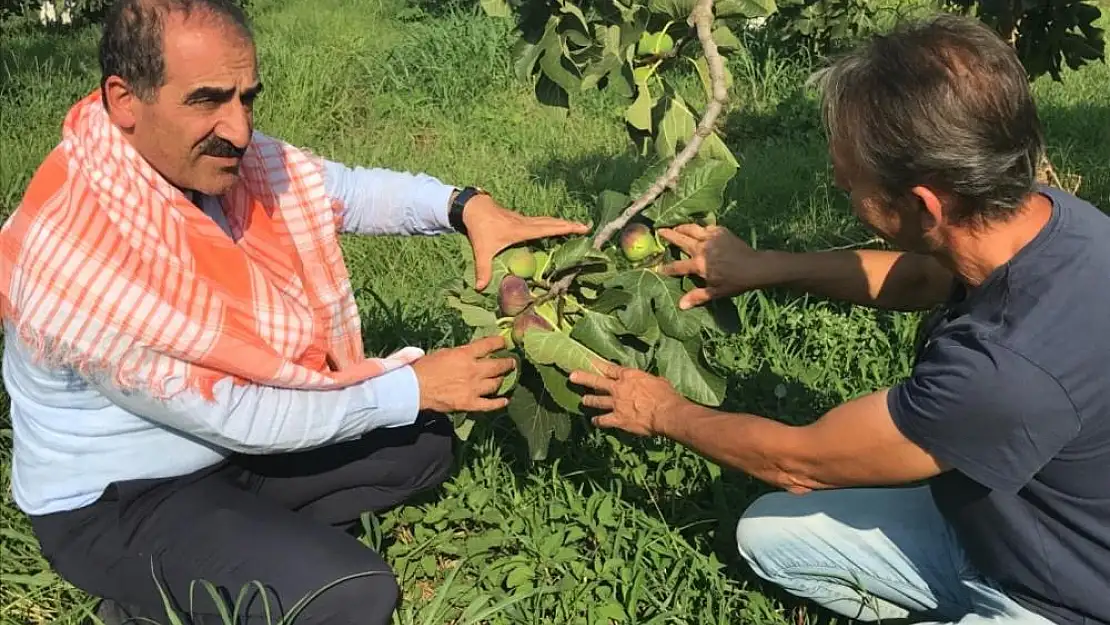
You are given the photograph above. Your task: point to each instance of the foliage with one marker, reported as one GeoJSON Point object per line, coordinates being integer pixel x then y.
{"type": "Point", "coordinates": [617, 309]}
{"type": "Point", "coordinates": [566, 48]}
{"type": "Point", "coordinates": [1048, 34]}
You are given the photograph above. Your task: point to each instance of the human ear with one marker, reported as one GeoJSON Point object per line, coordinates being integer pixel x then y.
{"type": "Point", "coordinates": [120, 100]}
{"type": "Point", "coordinates": [930, 208]}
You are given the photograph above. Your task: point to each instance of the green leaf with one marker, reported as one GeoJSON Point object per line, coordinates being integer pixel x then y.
{"type": "Point", "coordinates": [725, 38]}
{"type": "Point", "coordinates": [678, 126]}
{"type": "Point", "coordinates": [556, 348]}
{"type": "Point", "coordinates": [663, 292]}
{"type": "Point", "coordinates": [558, 388]}
{"type": "Point", "coordinates": [536, 421]}
{"type": "Point", "coordinates": [677, 9]}
{"type": "Point", "coordinates": [611, 300]}
{"type": "Point", "coordinates": [496, 8]}
{"type": "Point", "coordinates": [463, 426]}
{"type": "Point", "coordinates": [703, 72]}
{"type": "Point", "coordinates": [700, 190]}
{"type": "Point", "coordinates": [551, 95]}
{"type": "Point", "coordinates": [525, 55]}
{"type": "Point", "coordinates": [745, 8]}
{"type": "Point", "coordinates": [610, 204]}
{"type": "Point", "coordinates": [573, 253]}
{"type": "Point", "coordinates": [639, 113]}
{"type": "Point", "coordinates": [680, 363]}
{"type": "Point", "coordinates": [511, 378]}
{"type": "Point", "coordinates": [553, 56]}
{"type": "Point", "coordinates": [601, 333]}
{"type": "Point", "coordinates": [472, 315]}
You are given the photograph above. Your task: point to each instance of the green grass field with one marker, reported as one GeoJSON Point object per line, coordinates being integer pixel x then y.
{"type": "Point", "coordinates": [612, 529]}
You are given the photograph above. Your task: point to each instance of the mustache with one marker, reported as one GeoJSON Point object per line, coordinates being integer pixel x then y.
{"type": "Point", "coordinates": [220, 147]}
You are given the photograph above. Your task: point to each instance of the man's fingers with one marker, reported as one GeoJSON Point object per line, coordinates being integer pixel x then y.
{"type": "Point", "coordinates": [696, 297]}
{"type": "Point", "coordinates": [694, 231]}
{"type": "Point", "coordinates": [491, 367]}
{"type": "Point", "coordinates": [601, 402]}
{"type": "Point", "coordinates": [487, 345]}
{"type": "Point", "coordinates": [683, 267]}
{"type": "Point", "coordinates": [607, 420]}
{"type": "Point", "coordinates": [483, 270]}
{"type": "Point", "coordinates": [488, 386]}
{"type": "Point", "coordinates": [684, 241]}
{"type": "Point", "coordinates": [591, 380]}
{"type": "Point", "coordinates": [489, 405]}
{"type": "Point", "coordinates": [553, 226]}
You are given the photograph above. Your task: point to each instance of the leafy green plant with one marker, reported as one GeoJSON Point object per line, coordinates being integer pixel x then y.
{"type": "Point", "coordinates": [566, 305]}
{"type": "Point", "coordinates": [1047, 34]}
{"type": "Point", "coordinates": [573, 304]}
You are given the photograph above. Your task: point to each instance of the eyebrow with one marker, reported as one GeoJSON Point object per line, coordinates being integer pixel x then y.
{"type": "Point", "coordinates": [217, 94]}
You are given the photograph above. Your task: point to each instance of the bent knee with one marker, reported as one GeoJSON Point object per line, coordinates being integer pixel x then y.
{"type": "Point", "coordinates": [776, 530]}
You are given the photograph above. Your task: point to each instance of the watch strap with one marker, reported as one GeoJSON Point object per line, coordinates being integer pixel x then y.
{"type": "Point", "coordinates": [455, 211]}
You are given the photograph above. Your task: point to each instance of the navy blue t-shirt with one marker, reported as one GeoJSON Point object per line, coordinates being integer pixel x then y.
{"type": "Point", "coordinates": [1011, 388]}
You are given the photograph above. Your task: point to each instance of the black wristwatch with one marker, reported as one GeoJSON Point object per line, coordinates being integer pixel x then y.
{"type": "Point", "coordinates": [455, 212]}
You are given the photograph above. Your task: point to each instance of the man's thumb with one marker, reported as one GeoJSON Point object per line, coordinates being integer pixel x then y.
{"type": "Point", "coordinates": [697, 297]}
{"type": "Point", "coordinates": [482, 273]}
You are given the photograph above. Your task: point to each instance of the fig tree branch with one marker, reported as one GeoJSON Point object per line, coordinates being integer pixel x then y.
{"type": "Point", "coordinates": [702, 19]}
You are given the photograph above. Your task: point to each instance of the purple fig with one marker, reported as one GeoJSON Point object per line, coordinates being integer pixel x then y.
{"type": "Point", "coordinates": [637, 242]}
{"type": "Point", "coordinates": [514, 295]}
{"type": "Point", "coordinates": [527, 322]}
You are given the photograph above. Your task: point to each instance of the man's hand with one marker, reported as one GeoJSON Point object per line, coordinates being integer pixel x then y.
{"type": "Point", "coordinates": [638, 402]}
{"type": "Point", "coordinates": [729, 265]}
{"type": "Point", "coordinates": [458, 379]}
{"type": "Point", "coordinates": [492, 228]}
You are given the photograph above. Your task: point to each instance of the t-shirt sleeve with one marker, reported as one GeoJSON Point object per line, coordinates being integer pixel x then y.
{"type": "Point", "coordinates": [984, 410]}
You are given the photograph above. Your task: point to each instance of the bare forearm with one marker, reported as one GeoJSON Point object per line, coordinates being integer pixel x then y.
{"type": "Point", "coordinates": [854, 444]}
{"type": "Point", "coordinates": [755, 445]}
{"type": "Point", "coordinates": [875, 278]}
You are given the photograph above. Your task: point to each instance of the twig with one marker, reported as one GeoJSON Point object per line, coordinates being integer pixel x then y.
{"type": "Point", "coordinates": [702, 18]}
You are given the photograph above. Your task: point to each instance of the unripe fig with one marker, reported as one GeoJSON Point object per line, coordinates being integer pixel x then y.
{"type": "Point", "coordinates": [521, 262]}
{"type": "Point", "coordinates": [513, 295]}
{"type": "Point", "coordinates": [654, 43]}
{"type": "Point", "coordinates": [526, 322]}
{"type": "Point", "coordinates": [637, 242]}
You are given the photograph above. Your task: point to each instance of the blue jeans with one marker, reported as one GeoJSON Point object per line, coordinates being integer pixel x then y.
{"type": "Point", "coordinates": [872, 554]}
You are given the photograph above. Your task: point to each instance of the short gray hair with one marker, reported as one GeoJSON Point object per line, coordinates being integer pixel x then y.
{"type": "Point", "coordinates": [944, 102]}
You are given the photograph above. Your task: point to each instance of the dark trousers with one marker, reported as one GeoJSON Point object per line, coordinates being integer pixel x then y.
{"type": "Point", "coordinates": [281, 520]}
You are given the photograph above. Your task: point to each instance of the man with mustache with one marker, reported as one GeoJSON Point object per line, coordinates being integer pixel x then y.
{"type": "Point", "coordinates": [190, 396]}
{"type": "Point", "coordinates": [1005, 417]}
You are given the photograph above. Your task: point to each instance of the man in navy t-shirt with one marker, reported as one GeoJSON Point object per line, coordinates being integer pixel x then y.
{"type": "Point", "coordinates": [978, 489]}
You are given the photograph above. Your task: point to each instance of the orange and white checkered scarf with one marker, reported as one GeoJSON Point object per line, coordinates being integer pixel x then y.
{"type": "Point", "coordinates": [107, 268]}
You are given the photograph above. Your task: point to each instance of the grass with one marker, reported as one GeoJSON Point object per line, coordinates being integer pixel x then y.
{"type": "Point", "coordinates": [619, 529]}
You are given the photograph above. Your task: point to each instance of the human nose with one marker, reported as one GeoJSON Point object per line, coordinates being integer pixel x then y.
{"type": "Point", "coordinates": [236, 125]}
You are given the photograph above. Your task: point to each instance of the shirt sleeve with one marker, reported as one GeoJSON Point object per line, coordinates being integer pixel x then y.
{"type": "Point", "coordinates": [984, 410]}
{"type": "Point", "coordinates": [255, 419]}
{"type": "Point", "coordinates": [380, 201]}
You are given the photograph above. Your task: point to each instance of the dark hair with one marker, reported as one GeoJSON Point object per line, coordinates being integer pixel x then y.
{"type": "Point", "coordinates": [943, 102]}
{"type": "Point", "coordinates": [131, 42]}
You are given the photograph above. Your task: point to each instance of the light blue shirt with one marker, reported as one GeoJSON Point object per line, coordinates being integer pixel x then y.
{"type": "Point", "coordinates": [73, 437]}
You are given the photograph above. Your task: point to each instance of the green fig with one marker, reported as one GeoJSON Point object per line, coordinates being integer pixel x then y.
{"type": "Point", "coordinates": [513, 295]}
{"type": "Point", "coordinates": [521, 262]}
{"type": "Point", "coordinates": [525, 322]}
{"type": "Point", "coordinates": [638, 242]}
